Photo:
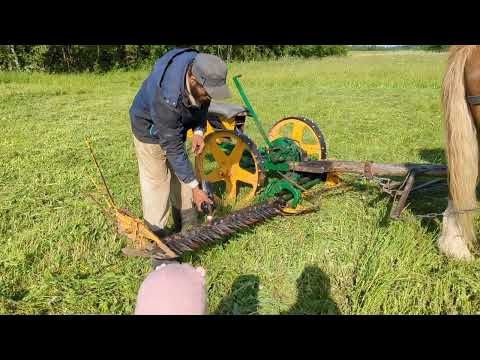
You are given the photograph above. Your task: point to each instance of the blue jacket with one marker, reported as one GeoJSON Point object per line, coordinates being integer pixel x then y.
{"type": "Point", "coordinates": [161, 112]}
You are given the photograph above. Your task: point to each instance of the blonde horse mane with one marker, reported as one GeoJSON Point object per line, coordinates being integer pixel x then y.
{"type": "Point", "coordinates": [462, 144]}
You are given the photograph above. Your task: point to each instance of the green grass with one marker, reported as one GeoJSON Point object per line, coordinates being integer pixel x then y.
{"type": "Point", "coordinates": [59, 255]}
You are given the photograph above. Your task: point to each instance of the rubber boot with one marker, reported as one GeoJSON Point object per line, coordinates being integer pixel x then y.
{"type": "Point", "coordinates": [189, 219]}
{"type": "Point", "coordinates": [177, 220]}
{"type": "Point", "coordinates": [184, 220]}
{"type": "Point", "coordinates": [161, 233]}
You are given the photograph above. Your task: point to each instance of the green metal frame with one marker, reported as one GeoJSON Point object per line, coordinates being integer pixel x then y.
{"type": "Point", "coordinates": [250, 109]}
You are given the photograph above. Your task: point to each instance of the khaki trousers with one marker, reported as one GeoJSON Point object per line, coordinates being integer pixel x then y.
{"type": "Point", "coordinates": [159, 184]}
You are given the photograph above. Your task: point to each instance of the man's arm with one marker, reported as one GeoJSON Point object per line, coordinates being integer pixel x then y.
{"type": "Point", "coordinates": [198, 142]}
{"type": "Point", "coordinates": [202, 123]}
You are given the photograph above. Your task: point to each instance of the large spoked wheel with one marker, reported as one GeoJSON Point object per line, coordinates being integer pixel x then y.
{"type": "Point", "coordinates": [231, 163]}
{"type": "Point", "coordinates": [305, 132]}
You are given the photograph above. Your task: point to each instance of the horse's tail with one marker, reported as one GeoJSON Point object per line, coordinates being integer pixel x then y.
{"type": "Point", "coordinates": [462, 143]}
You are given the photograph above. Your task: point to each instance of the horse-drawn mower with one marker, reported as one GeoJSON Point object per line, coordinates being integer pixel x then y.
{"type": "Point", "coordinates": [259, 183]}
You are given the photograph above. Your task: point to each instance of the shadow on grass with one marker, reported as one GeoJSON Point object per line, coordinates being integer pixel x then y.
{"type": "Point", "coordinates": [313, 296]}
{"type": "Point", "coordinates": [243, 297]}
{"type": "Point", "coordinates": [425, 201]}
{"type": "Point", "coordinates": [433, 156]}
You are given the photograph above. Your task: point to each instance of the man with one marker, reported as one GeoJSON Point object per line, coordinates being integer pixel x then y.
{"type": "Point", "coordinates": [173, 99]}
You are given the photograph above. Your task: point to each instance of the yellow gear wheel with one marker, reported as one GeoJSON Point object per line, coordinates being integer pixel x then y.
{"type": "Point", "coordinates": [305, 132]}
{"type": "Point", "coordinates": [231, 162]}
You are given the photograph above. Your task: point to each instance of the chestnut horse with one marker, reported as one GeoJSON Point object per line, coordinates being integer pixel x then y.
{"type": "Point", "coordinates": [461, 107]}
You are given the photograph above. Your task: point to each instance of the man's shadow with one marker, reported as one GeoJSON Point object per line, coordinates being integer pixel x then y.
{"type": "Point", "coordinates": [243, 297]}
{"type": "Point", "coordinates": [313, 296]}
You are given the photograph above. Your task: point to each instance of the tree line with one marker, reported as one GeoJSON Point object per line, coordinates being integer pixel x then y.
{"type": "Point", "coordinates": [102, 58]}
{"type": "Point", "coordinates": [400, 47]}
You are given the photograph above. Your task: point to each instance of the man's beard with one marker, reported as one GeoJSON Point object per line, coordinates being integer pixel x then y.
{"type": "Point", "coordinates": [198, 98]}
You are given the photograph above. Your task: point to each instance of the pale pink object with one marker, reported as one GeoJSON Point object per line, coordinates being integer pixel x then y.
{"type": "Point", "coordinates": [174, 289]}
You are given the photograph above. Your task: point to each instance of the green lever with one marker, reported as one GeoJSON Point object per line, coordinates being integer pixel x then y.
{"type": "Point", "coordinates": [250, 109]}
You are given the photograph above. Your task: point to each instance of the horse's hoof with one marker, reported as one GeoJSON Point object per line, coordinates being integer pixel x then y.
{"type": "Point", "coordinates": [454, 247]}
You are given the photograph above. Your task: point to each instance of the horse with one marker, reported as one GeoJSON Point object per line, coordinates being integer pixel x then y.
{"type": "Point", "coordinates": [461, 114]}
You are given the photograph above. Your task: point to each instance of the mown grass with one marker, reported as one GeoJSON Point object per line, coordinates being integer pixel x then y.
{"type": "Point", "coordinates": [59, 255]}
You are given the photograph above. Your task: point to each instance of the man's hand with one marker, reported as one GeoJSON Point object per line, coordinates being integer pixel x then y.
{"type": "Point", "coordinates": [200, 197]}
{"type": "Point", "coordinates": [197, 144]}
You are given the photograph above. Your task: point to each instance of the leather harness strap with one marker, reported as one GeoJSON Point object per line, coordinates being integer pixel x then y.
{"type": "Point", "coordinates": [473, 100]}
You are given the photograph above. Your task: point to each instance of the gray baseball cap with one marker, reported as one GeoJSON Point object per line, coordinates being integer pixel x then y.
{"type": "Point", "coordinates": [211, 72]}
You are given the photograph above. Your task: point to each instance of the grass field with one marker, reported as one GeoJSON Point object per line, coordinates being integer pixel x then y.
{"type": "Point", "coordinates": [59, 255]}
